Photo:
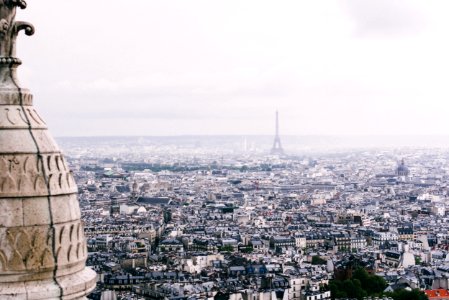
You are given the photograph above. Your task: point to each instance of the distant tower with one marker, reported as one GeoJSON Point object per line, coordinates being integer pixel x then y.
{"type": "Point", "coordinates": [277, 148]}
{"type": "Point", "coordinates": [135, 189]}
{"type": "Point", "coordinates": [115, 207]}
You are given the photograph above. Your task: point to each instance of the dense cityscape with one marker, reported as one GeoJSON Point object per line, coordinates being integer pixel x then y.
{"type": "Point", "coordinates": [155, 194]}
{"type": "Point", "coordinates": [199, 222]}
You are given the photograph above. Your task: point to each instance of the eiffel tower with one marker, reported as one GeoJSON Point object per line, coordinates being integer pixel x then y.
{"type": "Point", "coordinates": [277, 148]}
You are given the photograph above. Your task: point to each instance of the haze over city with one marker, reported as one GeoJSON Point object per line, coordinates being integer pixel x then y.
{"type": "Point", "coordinates": [107, 68]}
{"type": "Point", "coordinates": [224, 150]}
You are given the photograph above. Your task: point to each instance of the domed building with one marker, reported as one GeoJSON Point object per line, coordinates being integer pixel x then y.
{"type": "Point", "coordinates": [402, 169]}
{"type": "Point", "coordinates": [43, 250]}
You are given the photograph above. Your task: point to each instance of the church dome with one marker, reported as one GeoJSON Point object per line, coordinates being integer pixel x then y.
{"type": "Point", "coordinates": [42, 244]}
{"type": "Point", "coordinates": [402, 169]}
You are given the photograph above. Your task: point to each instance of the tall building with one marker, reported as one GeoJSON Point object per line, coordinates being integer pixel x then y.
{"type": "Point", "coordinates": [277, 148]}
{"type": "Point", "coordinates": [42, 245]}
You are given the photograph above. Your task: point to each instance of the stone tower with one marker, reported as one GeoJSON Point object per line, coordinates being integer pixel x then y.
{"type": "Point", "coordinates": [42, 245]}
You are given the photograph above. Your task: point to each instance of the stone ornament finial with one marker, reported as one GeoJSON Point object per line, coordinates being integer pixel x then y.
{"type": "Point", "coordinates": [12, 3]}
{"type": "Point", "coordinates": [9, 29]}
{"type": "Point", "coordinates": [10, 90]}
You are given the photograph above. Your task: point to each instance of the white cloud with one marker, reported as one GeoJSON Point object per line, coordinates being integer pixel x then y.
{"type": "Point", "coordinates": [330, 67]}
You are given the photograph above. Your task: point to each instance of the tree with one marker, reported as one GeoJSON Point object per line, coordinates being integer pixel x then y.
{"type": "Point", "coordinates": [317, 260]}
{"type": "Point", "coordinates": [336, 288]}
{"type": "Point", "coordinates": [418, 260]}
{"type": "Point", "coordinates": [247, 249]}
{"type": "Point", "coordinates": [403, 294]}
{"type": "Point", "coordinates": [226, 248]}
{"type": "Point", "coordinates": [360, 285]}
{"type": "Point", "coordinates": [167, 216]}
{"type": "Point", "coordinates": [372, 284]}
{"type": "Point", "coordinates": [356, 290]}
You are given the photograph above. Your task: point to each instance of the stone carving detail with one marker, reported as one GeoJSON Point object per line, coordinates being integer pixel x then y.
{"type": "Point", "coordinates": [30, 248]}
{"type": "Point", "coordinates": [71, 246]}
{"type": "Point", "coordinates": [35, 116]}
{"type": "Point", "coordinates": [9, 30]}
{"type": "Point", "coordinates": [24, 174]}
{"type": "Point", "coordinates": [26, 249]}
{"type": "Point", "coordinates": [18, 117]}
{"type": "Point", "coordinates": [8, 97]}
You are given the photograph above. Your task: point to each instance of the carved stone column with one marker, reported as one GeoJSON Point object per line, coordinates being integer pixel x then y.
{"type": "Point", "coordinates": [42, 245]}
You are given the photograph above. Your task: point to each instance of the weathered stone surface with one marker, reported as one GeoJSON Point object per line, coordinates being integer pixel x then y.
{"type": "Point", "coordinates": [23, 175]}
{"type": "Point", "coordinates": [73, 286]}
{"type": "Point", "coordinates": [18, 117]}
{"type": "Point", "coordinates": [11, 97]}
{"type": "Point", "coordinates": [42, 245]}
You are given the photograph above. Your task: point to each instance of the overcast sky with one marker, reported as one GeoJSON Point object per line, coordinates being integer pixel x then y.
{"type": "Point", "coordinates": [166, 67]}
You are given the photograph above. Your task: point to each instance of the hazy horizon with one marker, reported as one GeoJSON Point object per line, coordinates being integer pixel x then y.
{"type": "Point", "coordinates": [290, 143]}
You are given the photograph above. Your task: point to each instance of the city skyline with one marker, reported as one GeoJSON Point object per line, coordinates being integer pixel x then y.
{"type": "Point", "coordinates": [170, 192]}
